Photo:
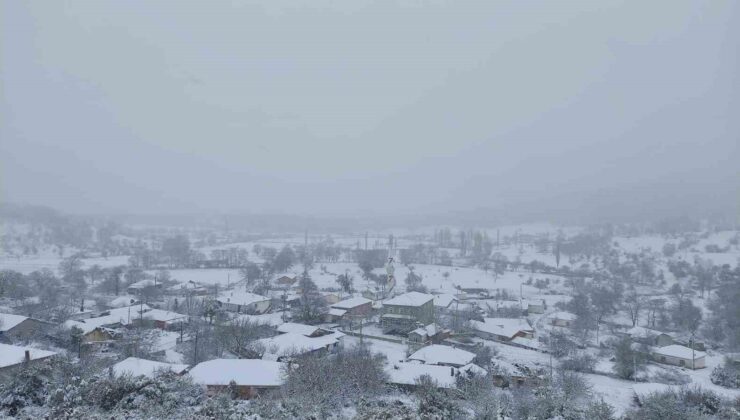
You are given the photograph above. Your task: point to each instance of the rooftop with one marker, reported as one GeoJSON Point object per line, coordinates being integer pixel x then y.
{"type": "Point", "coordinates": [122, 316]}
{"type": "Point", "coordinates": [351, 303]}
{"type": "Point", "coordinates": [253, 372]}
{"type": "Point", "coordinates": [9, 321]}
{"type": "Point", "coordinates": [410, 299]}
{"type": "Point", "coordinates": [303, 329]}
{"type": "Point", "coordinates": [241, 298]}
{"type": "Point", "coordinates": [136, 367]}
{"type": "Point", "coordinates": [290, 344]}
{"type": "Point", "coordinates": [681, 352]}
{"type": "Point", "coordinates": [408, 373]}
{"type": "Point", "coordinates": [13, 355]}
{"type": "Point", "coordinates": [506, 327]}
{"type": "Point", "coordinates": [437, 354]}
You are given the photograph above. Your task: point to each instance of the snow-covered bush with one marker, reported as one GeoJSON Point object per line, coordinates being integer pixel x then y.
{"type": "Point", "coordinates": [579, 363]}
{"type": "Point", "coordinates": [670, 377]}
{"type": "Point", "coordinates": [434, 403]}
{"type": "Point", "coordinates": [27, 386]}
{"type": "Point", "coordinates": [683, 404]}
{"type": "Point", "coordinates": [384, 410]}
{"type": "Point", "coordinates": [325, 382]}
{"type": "Point", "coordinates": [727, 375]}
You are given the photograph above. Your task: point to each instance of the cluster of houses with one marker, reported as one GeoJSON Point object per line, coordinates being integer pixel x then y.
{"type": "Point", "coordinates": [410, 316]}
{"type": "Point", "coordinates": [661, 347]}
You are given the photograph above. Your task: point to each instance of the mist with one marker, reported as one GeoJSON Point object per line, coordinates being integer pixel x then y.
{"type": "Point", "coordinates": [580, 110]}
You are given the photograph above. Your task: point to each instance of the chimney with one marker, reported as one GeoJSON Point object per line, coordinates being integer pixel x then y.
{"type": "Point", "coordinates": [27, 357]}
{"type": "Point", "coordinates": [452, 371]}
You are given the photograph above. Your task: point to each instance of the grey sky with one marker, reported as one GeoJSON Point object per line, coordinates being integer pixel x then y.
{"type": "Point", "coordinates": [335, 107]}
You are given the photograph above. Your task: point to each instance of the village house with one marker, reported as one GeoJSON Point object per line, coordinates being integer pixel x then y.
{"type": "Point", "coordinates": [102, 328]}
{"type": "Point", "coordinates": [143, 286]}
{"type": "Point", "coordinates": [283, 298]}
{"type": "Point", "coordinates": [534, 306]}
{"type": "Point", "coordinates": [349, 309]}
{"type": "Point", "coordinates": [443, 302]}
{"type": "Point", "coordinates": [406, 375]}
{"type": "Point", "coordinates": [302, 329]}
{"type": "Point", "coordinates": [289, 345]}
{"type": "Point", "coordinates": [18, 327]}
{"type": "Point", "coordinates": [562, 319]}
{"type": "Point", "coordinates": [443, 355]}
{"type": "Point", "coordinates": [11, 357]}
{"type": "Point", "coordinates": [502, 329]}
{"type": "Point", "coordinates": [244, 302]}
{"type": "Point", "coordinates": [160, 319]}
{"type": "Point", "coordinates": [406, 312]}
{"type": "Point", "coordinates": [648, 336]}
{"type": "Point", "coordinates": [142, 367]}
{"type": "Point", "coordinates": [431, 333]}
{"type": "Point", "coordinates": [330, 297]}
{"type": "Point", "coordinates": [677, 355]}
{"type": "Point", "coordinates": [285, 281]}
{"type": "Point", "coordinates": [189, 288]}
{"type": "Point", "coordinates": [251, 377]}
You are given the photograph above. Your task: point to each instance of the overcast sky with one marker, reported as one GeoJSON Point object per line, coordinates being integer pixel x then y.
{"type": "Point", "coordinates": [337, 107]}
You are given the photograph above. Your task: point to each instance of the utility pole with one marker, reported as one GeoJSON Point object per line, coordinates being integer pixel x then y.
{"type": "Point", "coordinates": [365, 241]}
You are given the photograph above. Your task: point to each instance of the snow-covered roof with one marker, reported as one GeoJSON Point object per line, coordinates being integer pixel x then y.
{"type": "Point", "coordinates": [293, 327]}
{"type": "Point", "coordinates": [642, 332]}
{"type": "Point", "coordinates": [160, 315]}
{"type": "Point", "coordinates": [474, 369]}
{"type": "Point", "coordinates": [251, 372]}
{"type": "Point", "coordinates": [410, 299]}
{"type": "Point", "coordinates": [527, 342]}
{"type": "Point", "coordinates": [135, 366]}
{"type": "Point", "coordinates": [13, 355]}
{"type": "Point", "coordinates": [189, 285]}
{"type": "Point", "coordinates": [407, 373]}
{"type": "Point", "coordinates": [142, 284]}
{"type": "Point", "coordinates": [241, 298]}
{"type": "Point", "coordinates": [274, 319]}
{"type": "Point", "coordinates": [444, 300]}
{"type": "Point", "coordinates": [437, 354]}
{"type": "Point", "coordinates": [122, 301]}
{"type": "Point", "coordinates": [9, 321]}
{"type": "Point", "coordinates": [351, 303]}
{"type": "Point", "coordinates": [337, 312]}
{"type": "Point", "coordinates": [291, 344]}
{"type": "Point", "coordinates": [429, 330]}
{"type": "Point", "coordinates": [565, 316]}
{"type": "Point", "coordinates": [506, 327]}
{"type": "Point", "coordinates": [121, 316]}
{"type": "Point", "coordinates": [681, 352]}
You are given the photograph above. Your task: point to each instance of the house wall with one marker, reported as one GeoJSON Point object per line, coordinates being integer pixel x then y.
{"type": "Point", "coordinates": [7, 371]}
{"type": "Point", "coordinates": [245, 392]}
{"type": "Point", "coordinates": [25, 329]}
{"type": "Point", "coordinates": [423, 313]}
{"type": "Point", "coordinates": [699, 363]}
{"type": "Point", "coordinates": [361, 310]}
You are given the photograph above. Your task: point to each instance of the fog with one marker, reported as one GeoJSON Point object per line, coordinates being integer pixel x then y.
{"type": "Point", "coordinates": [541, 108]}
